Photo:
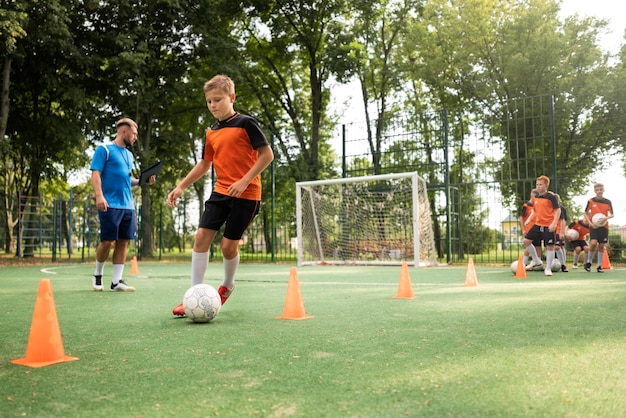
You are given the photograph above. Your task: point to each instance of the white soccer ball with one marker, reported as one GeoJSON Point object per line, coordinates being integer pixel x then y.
{"type": "Point", "coordinates": [514, 267]}
{"type": "Point", "coordinates": [599, 219]}
{"type": "Point", "coordinates": [556, 265]}
{"type": "Point", "coordinates": [202, 303]}
{"type": "Point", "coordinates": [572, 234]}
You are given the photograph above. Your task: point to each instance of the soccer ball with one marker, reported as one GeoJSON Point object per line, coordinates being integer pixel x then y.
{"type": "Point", "coordinates": [599, 219]}
{"type": "Point", "coordinates": [556, 265]}
{"type": "Point", "coordinates": [514, 267]}
{"type": "Point", "coordinates": [202, 303]}
{"type": "Point", "coordinates": [572, 234]}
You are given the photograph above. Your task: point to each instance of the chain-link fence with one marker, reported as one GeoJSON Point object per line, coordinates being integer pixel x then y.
{"type": "Point", "coordinates": [479, 171]}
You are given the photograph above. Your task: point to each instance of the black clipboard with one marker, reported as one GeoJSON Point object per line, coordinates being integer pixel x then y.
{"type": "Point", "coordinates": [153, 170]}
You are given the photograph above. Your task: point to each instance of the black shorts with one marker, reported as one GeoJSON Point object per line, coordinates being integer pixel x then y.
{"type": "Point", "coordinates": [579, 243]}
{"type": "Point", "coordinates": [600, 234]}
{"type": "Point", "coordinates": [235, 212]}
{"type": "Point", "coordinates": [537, 234]}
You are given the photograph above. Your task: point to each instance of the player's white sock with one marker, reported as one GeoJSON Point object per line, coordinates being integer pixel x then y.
{"type": "Point", "coordinates": [118, 270]}
{"type": "Point", "coordinates": [199, 264]}
{"type": "Point", "coordinates": [549, 258]}
{"type": "Point", "coordinates": [533, 253]}
{"type": "Point", "coordinates": [576, 255]}
{"type": "Point", "coordinates": [525, 259]}
{"type": "Point", "coordinates": [99, 268]}
{"type": "Point", "coordinates": [560, 256]}
{"type": "Point", "coordinates": [600, 257]}
{"type": "Point", "coordinates": [230, 268]}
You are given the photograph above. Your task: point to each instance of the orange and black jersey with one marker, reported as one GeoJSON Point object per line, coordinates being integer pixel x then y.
{"type": "Point", "coordinates": [545, 207]}
{"type": "Point", "coordinates": [232, 146]}
{"type": "Point", "coordinates": [581, 227]}
{"type": "Point", "coordinates": [563, 217]}
{"type": "Point", "coordinates": [525, 212]}
{"type": "Point", "coordinates": [595, 205]}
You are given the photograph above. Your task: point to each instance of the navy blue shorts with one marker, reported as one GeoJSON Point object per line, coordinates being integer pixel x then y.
{"type": "Point", "coordinates": [235, 212]}
{"type": "Point", "coordinates": [117, 224]}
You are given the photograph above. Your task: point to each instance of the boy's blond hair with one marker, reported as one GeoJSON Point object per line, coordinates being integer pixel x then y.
{"type": "Point", "coordinates": [221, 82]}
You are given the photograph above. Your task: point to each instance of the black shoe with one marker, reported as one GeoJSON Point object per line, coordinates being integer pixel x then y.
{"type": "Point", "coordinates": [564, 269]}
{"type": "Point", "coordinates": [600, 270]}
{"type": "Point", "coordinates": [587, 266]}
{"type": "Point", "coordinates": [96, 283]}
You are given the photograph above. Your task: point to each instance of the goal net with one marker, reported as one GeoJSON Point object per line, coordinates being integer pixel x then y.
{"type": "Point", "coordinates": [382, 219]}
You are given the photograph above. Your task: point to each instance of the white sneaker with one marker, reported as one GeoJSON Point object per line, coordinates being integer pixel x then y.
{"type": "Point", "coordinates": [121, 287]}
{"type": "Point", "coordinates": [575, 266]}
{"type": "Point", "coordinates": [96, 283]}
{"type": "Point", "coordinates": [548, 272]}
{"type": "Point", "coordinates": [533, 264]}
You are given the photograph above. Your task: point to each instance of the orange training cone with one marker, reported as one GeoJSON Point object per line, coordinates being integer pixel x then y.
{"type": "Point", "coordinates": [470, 275]}
{"type": "Point", "coordinates": [520, 272]}
{"type": "Point", "coordinates": [294, 307]}
{"type": "Point", "coordinates": [45, 346]}
{"type": "Point", "coordinates": [606, 263]}
{"type": "Point", "coordinates": [134, 267]}
{"type": "Point", "coordinates": [405, 291]}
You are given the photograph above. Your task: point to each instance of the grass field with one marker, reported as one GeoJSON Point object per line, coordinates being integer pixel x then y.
{"type": "Point", "coordinates": [540, 347]}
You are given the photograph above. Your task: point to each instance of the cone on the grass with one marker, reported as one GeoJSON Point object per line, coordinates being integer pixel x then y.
{"type": "Point", "coordinates": [520, 272]}
{"type": "Point", "coordinates": [405, 290]}
{"type": "Point", "coordinates": [470, 276]}
{"type": "Point", "coordinates": [606, 263]}
{"type": "Point", "coordinates": [134, 266]}
{"type": "Point", "coordinates": [294, 306]}
{"type": "Point", "coordinates": [45, 346]}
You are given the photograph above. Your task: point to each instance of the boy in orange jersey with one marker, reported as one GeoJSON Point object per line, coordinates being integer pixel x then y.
{"type": "Point", "coordinates": [559, 245]}
{"type": "Point", "coordinates": [599, 235]}
{"type": "Point", "coordinates": [547, 213]}
{"type": "Point", "coordinates": [580, 244]}
{"type": "Point", "coordinates": [239, 152]}
{"type": "Point", "coordinates": [525, 213]}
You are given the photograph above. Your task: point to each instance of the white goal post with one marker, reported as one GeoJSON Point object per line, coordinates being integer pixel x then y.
{"type": "Point", "coordinates": [383, 219]}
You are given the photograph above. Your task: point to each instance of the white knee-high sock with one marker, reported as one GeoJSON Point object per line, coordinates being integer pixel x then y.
{"type": "Point", "coordinates": [118, 270]}
{"type": "Point", "coordinates": [532, 251]}
{"type": "Point", "coordinates": [549, 258]}
{"type": "Point", "coordinates": [99, 268]}
{"type": "Point", "coordinates": [199, 264]}
{"type": "Point", "coordinates": [230, 268]}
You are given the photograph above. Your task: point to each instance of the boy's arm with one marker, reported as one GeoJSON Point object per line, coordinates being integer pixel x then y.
{"type": "Point", "coordinates": [557, 217]}
{"type": "Point", "coordinates": [264, 159]}
{"type": "Point", "coordinates": [199, 170]}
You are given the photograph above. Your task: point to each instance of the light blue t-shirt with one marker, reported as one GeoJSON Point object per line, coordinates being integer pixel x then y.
{"type": "Point", "coordinates": [115, 169]}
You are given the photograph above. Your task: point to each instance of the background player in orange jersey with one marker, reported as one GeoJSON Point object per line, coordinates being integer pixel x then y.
{"type": "Point", "coordinates": [547, 213]}
{"type": "Point", "coordinates": [526, 212]}
{"type": "Point", "coordinates": [559, 245]}
{"type": "Point", "coordinates": [239, 151]}
{"type": "Point", "coordinates": [599, 235]}
{"type": "Point", "coordinates": [579, 245]}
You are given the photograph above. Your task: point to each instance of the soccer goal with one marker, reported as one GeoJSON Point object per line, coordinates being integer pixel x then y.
{"type": "Point", "coordinates": [382, 219]}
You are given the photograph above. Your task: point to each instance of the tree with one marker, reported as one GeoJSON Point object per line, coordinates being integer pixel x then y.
{"type": "Point", "coordinates": [380, 28]}
{"type": "Point", "coordinates": [485, 56]}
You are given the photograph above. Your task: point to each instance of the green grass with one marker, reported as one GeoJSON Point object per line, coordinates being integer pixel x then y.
{"type": "Point", "coordinates": [506, 348]}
